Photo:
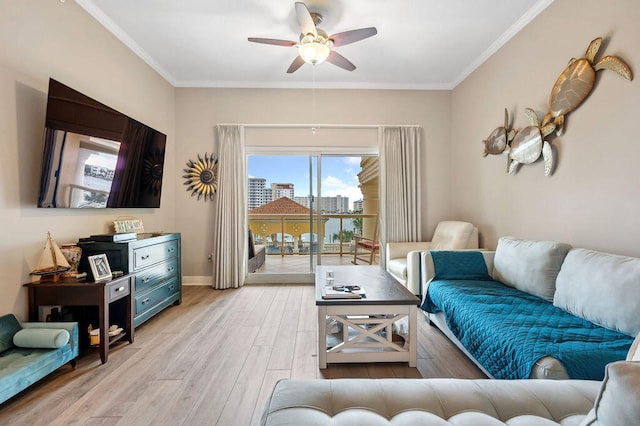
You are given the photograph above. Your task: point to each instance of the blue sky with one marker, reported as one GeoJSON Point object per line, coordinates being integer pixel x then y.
{"type": "Point", "coordinates": [339, 174]}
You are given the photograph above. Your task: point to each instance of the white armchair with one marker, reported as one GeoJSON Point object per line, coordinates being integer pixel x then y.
{"type": "Point", "coordinates": [403, 258]}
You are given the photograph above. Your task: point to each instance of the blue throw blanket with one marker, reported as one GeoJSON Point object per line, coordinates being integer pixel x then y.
{"type": "Point", "coordinates": [507, 330]}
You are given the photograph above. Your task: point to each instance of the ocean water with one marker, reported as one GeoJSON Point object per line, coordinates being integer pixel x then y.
{"type": "Point", "coordinates": [332, 227]}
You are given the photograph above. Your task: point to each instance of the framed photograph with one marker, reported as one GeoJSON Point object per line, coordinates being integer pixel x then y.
{"type": "Point", "coordinates": [100, 267]}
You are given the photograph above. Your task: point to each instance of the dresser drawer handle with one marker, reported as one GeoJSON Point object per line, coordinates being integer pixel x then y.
{"type": "Point", "coordinates": [145, 257]}
{"type": "Point", "coordinates": [171, 287]}
{"type": "Point", "coordinates": [170, 269]}
{"type": "Point", "coordinates": [145, 280]}
{"type": "Point", "coordinates": [120, 289]}
{"type": "Point", "coordinates": [171, 249]}
{"type": "Point", "coordinates": [145, 301]}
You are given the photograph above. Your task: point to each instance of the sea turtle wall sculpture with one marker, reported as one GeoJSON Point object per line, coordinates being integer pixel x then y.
{"type": "Point", "coordinates": [576, 82]}
{"type": "Point", "coordinates": [569, 91]}
{"type": "Point", "coordinates": [529, 143]}
{"type": "Point", "coordinates": [499, 139]}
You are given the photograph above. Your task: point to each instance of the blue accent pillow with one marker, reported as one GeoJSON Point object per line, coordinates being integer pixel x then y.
{"type": "Point", "coordinates": [459, 265]}
{"type": "Point", "coordinates": [9, 326]}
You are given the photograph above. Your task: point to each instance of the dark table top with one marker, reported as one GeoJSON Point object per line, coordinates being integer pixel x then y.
{"type": "Point", "coordinates": [380, 287]}
{"type": "Point", "coordinates": [73, 282]}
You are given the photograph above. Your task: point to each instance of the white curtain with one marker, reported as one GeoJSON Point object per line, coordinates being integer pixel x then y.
{"type": "Point", "coordinates": [229, 230]}
{"type": "Point", "coordinates": [401, 206]}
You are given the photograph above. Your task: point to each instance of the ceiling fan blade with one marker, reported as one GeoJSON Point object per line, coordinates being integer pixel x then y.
{"type": "Point", "coordinates": [307, 26]}
{"type": "Point", "coordinates": [273, 41]}
{"type": "Point", "coordinates": [297, 63]}
{"type": "Point", "coordinates": [340, 61]}
{"type": "Point", "coordinates": [352, 36]}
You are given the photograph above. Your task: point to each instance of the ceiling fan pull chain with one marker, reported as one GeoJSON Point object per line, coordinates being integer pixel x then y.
{"type": "Point", "coordinates": [313, 91]}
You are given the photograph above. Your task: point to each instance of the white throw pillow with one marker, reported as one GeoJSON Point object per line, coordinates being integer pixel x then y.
{"type": "Point", "coordinates": [618, 402]}
{"type": "Point", "coordinates": [602, 288]}
{"type": "Point", "coordinates": [529, 266]}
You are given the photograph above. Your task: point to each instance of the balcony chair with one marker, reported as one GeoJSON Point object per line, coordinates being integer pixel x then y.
{"type": "Point", "coordinates": [403, 258]}
{"type": "Point", "coordinates": [256, 254]}
{"type": "Point", "coordinates": [366, 248]}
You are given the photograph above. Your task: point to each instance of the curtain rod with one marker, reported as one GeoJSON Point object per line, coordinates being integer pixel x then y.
{"type": "Point", "coordinates": [317, 126]}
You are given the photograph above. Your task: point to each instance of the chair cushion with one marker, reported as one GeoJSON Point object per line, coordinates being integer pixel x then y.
{"type": "Point", "coordinates": [593, 285]}
{"type": "Point", "coordinates": [529, 266]}
{"type": "Point", "coordinates": [45, 338]}
{"type": "Point", "coordinates": [451, 235]}
{"type": "Point", "coordinates": [618, 402]}
{"type": "Point", "coordinates": [368, 244]}
{"type": "Point", "coordinates": [9, 326]}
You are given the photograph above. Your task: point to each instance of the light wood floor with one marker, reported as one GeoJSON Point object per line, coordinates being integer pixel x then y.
{"type": "Point", "coordinates": [213, 360]}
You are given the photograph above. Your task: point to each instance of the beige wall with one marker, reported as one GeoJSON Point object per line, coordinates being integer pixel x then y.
{"type": "Point", "coordinates": [46, 38]}
{"type": "Point", "coordinates": [199, 110]}
{"type": "Point", "coordinates": [593, 199]}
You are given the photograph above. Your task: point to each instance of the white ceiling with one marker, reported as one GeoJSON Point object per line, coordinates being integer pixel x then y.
{"type": "Point", "coordinates": [421, 44]}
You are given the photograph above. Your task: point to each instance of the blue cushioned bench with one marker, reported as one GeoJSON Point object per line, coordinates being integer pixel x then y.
{"type": "Point", "coordinates": [20, 367]}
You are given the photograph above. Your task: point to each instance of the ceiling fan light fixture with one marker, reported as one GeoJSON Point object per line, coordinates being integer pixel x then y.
{"type": "Point", "coordinates": [314, 52]}
{"type": "Point", "coordinates": [315, 45]}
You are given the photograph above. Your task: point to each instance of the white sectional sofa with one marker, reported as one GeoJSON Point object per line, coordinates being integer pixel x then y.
{"type": "Point", "coordinates": [407, 402]}
{"type": "Point", "coordinates": [598, 293]}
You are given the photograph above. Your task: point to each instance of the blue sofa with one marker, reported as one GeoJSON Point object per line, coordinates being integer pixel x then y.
{"type": "Point", "coordinates": [44, 347]}
{"type": "Point", "coordinates": [535, 309]}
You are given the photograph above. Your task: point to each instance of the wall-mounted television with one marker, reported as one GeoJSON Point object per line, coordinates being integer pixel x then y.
{"type": "Point", "coordinates": [97, 157]}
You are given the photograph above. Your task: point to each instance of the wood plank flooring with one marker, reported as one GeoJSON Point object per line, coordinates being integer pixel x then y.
{"type": "Point", "coordinates": [213, 360]}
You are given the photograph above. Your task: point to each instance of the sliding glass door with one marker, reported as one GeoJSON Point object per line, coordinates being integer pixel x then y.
{"type": "Point", "coordinates": [281, 211]}
{"type": "Point", "coordinates": [304, 210]}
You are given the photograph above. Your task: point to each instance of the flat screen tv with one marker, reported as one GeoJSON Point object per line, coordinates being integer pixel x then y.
{"type": "Point", "coordinates": [97, 157]}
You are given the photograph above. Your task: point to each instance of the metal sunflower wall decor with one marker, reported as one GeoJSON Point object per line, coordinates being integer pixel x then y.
{"type": "Point", "coordinates": [202, 176]}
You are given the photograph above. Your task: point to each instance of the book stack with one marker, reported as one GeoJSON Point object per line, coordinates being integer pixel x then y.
{"type": "Point", "coordinates": [111, 238]}
{"type": "Point", "coordinates": [343, 292]}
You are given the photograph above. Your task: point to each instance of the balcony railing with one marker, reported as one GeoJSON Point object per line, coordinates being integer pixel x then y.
{"type": "Point", "coordinates": [288, 230]}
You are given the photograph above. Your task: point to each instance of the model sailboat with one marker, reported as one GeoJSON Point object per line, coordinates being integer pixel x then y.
{"type": "Point", "coordinates": [52, 261]}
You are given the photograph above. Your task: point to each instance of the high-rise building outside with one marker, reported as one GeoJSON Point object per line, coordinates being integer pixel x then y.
{"type": "Point", "coordinates": [279, 190]}
{"type": "Point", "coordinates": [268, 195]}
{"type": "Point", "coordinates": [358, 206]}
{"type": "Point", "coordinates": [260, 194]}
{"type": "Point", "coordinates": [337, 204]}
{"type": "Point", "coordinates": [256, 193]}
{"type": "Point", "coordinates": [305, 201]}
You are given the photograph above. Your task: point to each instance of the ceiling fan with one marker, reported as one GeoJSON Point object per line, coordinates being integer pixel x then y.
{"type": "Point", "coordinates": [315, 46]}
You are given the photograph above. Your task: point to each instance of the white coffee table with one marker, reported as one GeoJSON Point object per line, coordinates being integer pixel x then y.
{"type": "Point", "coordinates": [367, 323]}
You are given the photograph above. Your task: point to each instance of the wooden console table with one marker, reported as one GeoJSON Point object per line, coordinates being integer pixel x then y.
{"type": "Point", "coordinates": [70, 292]}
